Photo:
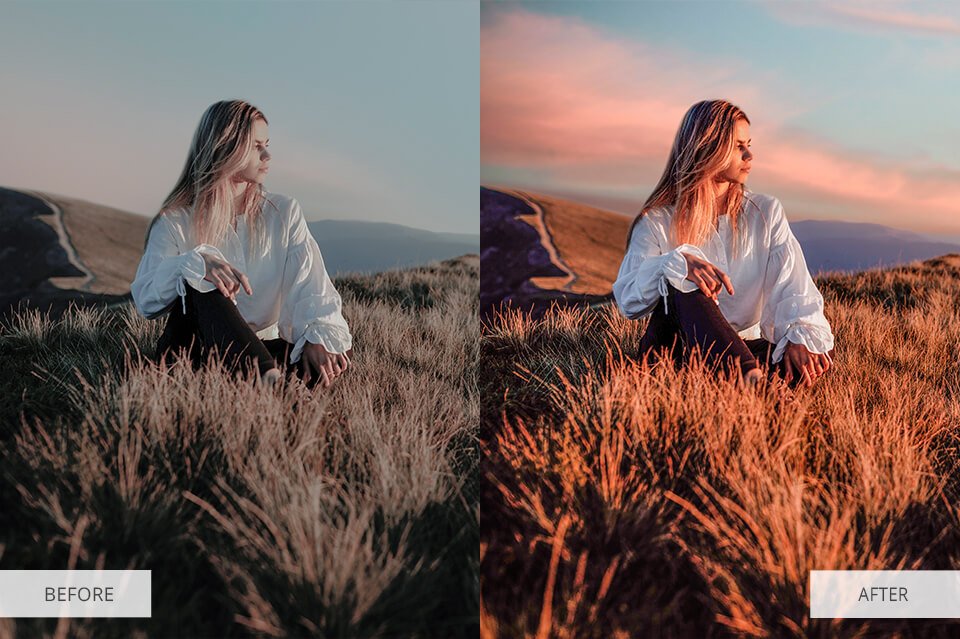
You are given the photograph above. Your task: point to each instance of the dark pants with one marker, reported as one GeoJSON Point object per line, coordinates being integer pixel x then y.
{"type": "Point", "coordinates": [694, 321]}
{"type": "Point", "coordinates": [212, 323]}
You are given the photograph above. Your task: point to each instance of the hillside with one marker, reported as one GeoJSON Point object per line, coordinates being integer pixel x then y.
{"type": "Point", "coordinates": [624, 500]}
{"type": "Point", "coordinates": [539, 250]}
{"type": "Point", "coordinates": [57, 250]}
{"type": "Point", "coordinates": [351, 512]}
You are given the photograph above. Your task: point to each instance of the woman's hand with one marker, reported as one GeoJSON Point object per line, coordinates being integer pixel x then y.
{"type": "Point", "coordinates": [227, 279]}
{"type": "Point", "coordinates": [802, 364]}
{"type": "Point", "coordinates": [320, 364]}
{"type": "Point", "coordinates": [707, 277]}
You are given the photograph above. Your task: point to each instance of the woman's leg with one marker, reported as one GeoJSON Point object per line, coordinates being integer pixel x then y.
{"type": "Point", "coordinates": [212, 322]}
{"type": "Point", "coordinates": [662, 337]}
{"type": "Point", "coordinates": [696, 322]}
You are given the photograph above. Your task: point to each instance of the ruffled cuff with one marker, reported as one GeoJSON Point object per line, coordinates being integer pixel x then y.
{"type": "Point", "coordinates": [816, 340]}
{"type": "Point", "coordinates": [333, 338]}
{"type": "Point", "coordinates": [675, 272]}
{"type": "Point", "coordinates": [192, 271]}
{"type": "Point", "coordinates": [675, 267]}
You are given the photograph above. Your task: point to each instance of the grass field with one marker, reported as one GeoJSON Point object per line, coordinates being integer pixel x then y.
{"type": "Point", "coordinates": [266, 513]}
{"type": "Point", "coordinates": [624, 500]}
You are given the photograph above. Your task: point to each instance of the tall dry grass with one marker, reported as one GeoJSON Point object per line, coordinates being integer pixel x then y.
{"type": "Point", "coordinates": [625, 500]}
{"type": "Point", "coordinates": [269, 513]}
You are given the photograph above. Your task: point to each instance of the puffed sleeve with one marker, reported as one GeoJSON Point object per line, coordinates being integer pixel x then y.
{"type": "Point", "coordinates": [164, 270]}
{"type": "Point", "coordinates": [793, 307]}
{"type": "Point", "coordinates": [311, 307]}
{"type": "Point", "coordinates": [646, 269]}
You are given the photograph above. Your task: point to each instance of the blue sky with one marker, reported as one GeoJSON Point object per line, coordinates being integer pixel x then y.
{"type": "Point", "coordinates": [373, 106]}
{"type": "Point", "coordinates": [853, 105]}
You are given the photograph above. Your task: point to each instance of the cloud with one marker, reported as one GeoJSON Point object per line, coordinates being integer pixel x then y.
{"type": "Point", "coordinates": [902, 20]}
{"type": "Point", "coordinates": [593, 112]}
{"type": "Point", "coordinates": [869, 189]}
{"type": "Point", "coordinates": [883, 16]}
{"type": "Point", "coordinates": [557, 91]}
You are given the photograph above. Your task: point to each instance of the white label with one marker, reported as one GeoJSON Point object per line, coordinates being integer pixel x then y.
{"type": "Point", "coordinates": [885, 594]}
{"type": "Point", "coordinates": [74, 593]}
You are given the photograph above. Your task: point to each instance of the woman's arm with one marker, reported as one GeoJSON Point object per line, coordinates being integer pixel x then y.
{"type": "Point", "coordinates": [164, 271]}
{"type": "Point", "coordinates": [793, 307]}
{"type": "Point", "coordinates": [310, 311]}
{"type": "Point", "coordinates": [646, 270]}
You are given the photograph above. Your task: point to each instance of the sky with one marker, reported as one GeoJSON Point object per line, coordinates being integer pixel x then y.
{"type": "Point", "coordinates": [854, 107]}
{"type": "Point", "coordinates": [373, 106]}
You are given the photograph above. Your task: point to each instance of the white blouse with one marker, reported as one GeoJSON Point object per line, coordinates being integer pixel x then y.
{"type": "Point", "coordinates": [774, 296]}
{"type": "Point", "coordinates": [293, 297]}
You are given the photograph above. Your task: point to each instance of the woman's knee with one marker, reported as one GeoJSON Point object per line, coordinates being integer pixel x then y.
{"type": "Point", "coordinates": [208, 297]}
{"type": "Point", "coordinates": [695, 296]}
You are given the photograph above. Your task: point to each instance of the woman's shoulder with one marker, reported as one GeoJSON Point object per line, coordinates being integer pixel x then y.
{"type": "Point", "coordinates": [279, 199]}
{"type": "Point", "coordinates": [765, 209]}
{"type": "Point", "coordinates": [280, 205]}
{"type": "Point", "coordinates": [174, 219]}
{"type": "Point", "coordinates": [761, 202]}
{"type": "Point", "coordinates": [660, 214]}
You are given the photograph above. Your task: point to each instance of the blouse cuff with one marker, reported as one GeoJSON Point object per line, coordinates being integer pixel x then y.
{"type": "Point", "coordinates": [675, 267]}
{"type": "Point", "coordinates": [815, 339]}
{"type": "Point", "coordinates": [333, 338]}
{"type": "Point", "coordinates": [193, 269]}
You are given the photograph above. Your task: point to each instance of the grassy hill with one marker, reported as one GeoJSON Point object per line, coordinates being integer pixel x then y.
{"type": "Point", "coordinates": [348, 513]}
{"type": "Point", "coordinates": [623, 500]}
{"type": "Point", "coordinates": [585, 241]}
{"type": "Point", "coordinates": [57, 250]}
{"type": "Point", "coordinates": [542, 249]}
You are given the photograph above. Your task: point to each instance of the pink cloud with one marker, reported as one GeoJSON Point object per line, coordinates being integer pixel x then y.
{"type": "Point", "coordinates": [886, 16]}
{"type": "Point", "coordinates": [595, 112]}
{"type": "Point", "coordinates": [868, 189]}
{"type": "Point", "coordinates": [556, 90]}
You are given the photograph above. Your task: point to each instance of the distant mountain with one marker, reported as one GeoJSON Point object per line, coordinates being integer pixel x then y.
{"type": "Point", "coordinates": [349, 246]}
{"type": "Point", "coordinates": [849, 246]}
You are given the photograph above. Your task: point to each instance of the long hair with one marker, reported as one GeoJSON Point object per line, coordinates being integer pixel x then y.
{"type": "Point", "coordinates": [702, 149]}
{"type": "Point", "coordinates": [218, 150]}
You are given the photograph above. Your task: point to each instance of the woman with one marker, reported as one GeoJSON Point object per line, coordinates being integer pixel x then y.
{"type": "Point", "coordinates": [249, 276]}
{"type": "Point", "coordinates": [717, 265]}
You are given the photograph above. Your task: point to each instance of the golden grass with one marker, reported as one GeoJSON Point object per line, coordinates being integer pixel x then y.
{"type": "Point", "coordinates": [628, 500]}
{"type": "Point", "coordinates": [283, 512]}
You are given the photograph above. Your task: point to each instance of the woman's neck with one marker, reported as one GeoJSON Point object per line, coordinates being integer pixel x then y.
{"type": "Point", "coordinates": [237, 189]}
{"type": "Point", "coordinates": [723, 191]}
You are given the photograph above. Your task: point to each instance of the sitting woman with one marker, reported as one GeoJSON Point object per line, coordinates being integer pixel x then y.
{"type": "Point", "coordinates": [717, 265]}
{"type": "Point", "coordinates": [235, 266]}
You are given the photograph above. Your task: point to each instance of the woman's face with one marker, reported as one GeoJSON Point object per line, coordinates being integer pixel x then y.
{"type": "Point", "coordinates": [739, 168]}
{"type": "Point", "coordinates": [258, 158]}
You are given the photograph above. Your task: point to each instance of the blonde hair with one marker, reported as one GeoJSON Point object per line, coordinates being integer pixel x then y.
{"type": "Point", "coordinates": [703, 147]}
{"type": "Point", "coordinates": [219, 148]}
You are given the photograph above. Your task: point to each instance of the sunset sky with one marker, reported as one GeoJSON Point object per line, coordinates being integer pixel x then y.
{"type": "Point", "coordinates": [373, 106]}
{"type": "Point", "coordinates": [855, 107]}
